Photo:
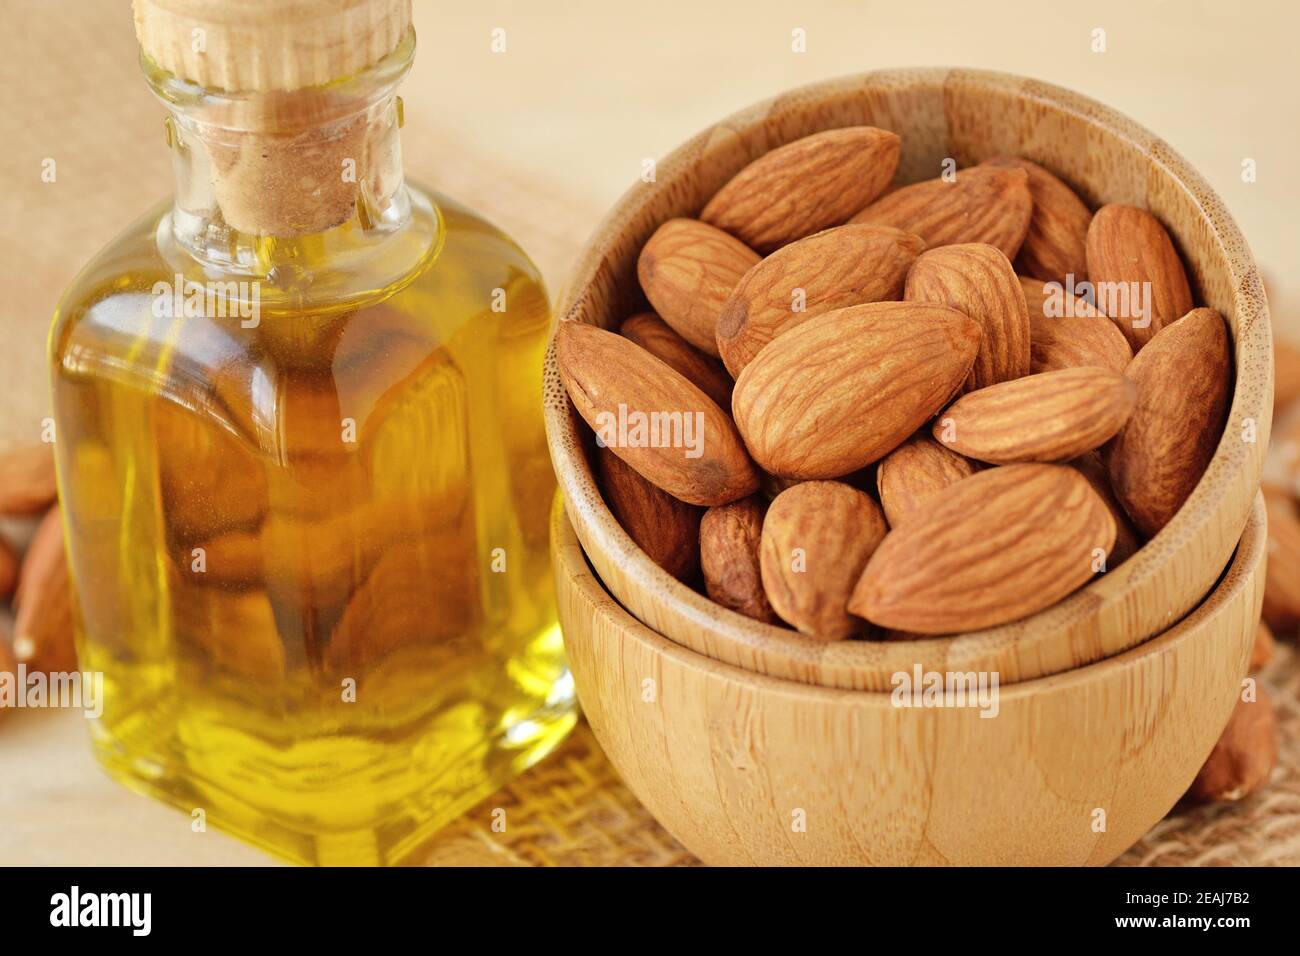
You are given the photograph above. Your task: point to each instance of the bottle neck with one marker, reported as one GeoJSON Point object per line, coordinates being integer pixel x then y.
{"type": "Point", "coordinates": [277, 184]}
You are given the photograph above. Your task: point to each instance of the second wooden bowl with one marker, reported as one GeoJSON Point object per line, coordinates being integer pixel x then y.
{"type": "Point", "coordinates": [970, 116]}
{"type": "Point", "coordinates": [745, 769]}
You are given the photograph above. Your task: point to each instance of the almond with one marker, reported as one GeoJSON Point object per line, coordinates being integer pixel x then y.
{"type": "Point", "coordinates": [655, 336]}
{"type": "Point", "coordinates": [666, 529]}
{"type": "Point", "coordinates": [1138, 279]}
{"type": "Point", "coordinates": [8, 569]}
{"type": "Point", "coordinates": [840, 267]}
{"type": "Point", "coordinates": [1261, 652]}
{"type": "Point", "coordinates": [805, 186]}
{"type": "Point", "coordinates": [844, 389]}
{"type": "Point", "coordinates": [729, 549]}
{"type": "Point", "coordinates": [981, 204]}
{"type": "Point", "coordinates": [673, 434]}
{"type": "Point", "coordinates": [687, 270]}
{"type": "Point", "coordinates": [1127, 539]}
{"type": "Point", "coordinates": [977, 280]}
{"type": "Point", "coordinates": [27, 484]}
{"type": "Point", "coordinates": [1066, 331]}
{"type": "Point", "coordinates": [1245, 754]}
{"type": "Point", "coordinates": [1055, 245]}
{"type": "Point", "coordinates": [1282, 570]}
{"type": "Point", "coordinates": [993, 548]}
{"type": "Point", "coordinates": [43, 631]}
{"type": "Point", "coordinates": [911, 475]}
{"type": "Point", "coordinates": [817, 537]}
{"type": "Point", "coordinates": [1183, 378]}
{"type": "Point", "coordinates": [1053, 416]}
{"type": "Point", "coordinates": [1286, 374]}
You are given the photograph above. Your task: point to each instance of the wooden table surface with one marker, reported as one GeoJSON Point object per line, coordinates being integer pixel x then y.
{"type": "Point", "coordinates": [542, 138]}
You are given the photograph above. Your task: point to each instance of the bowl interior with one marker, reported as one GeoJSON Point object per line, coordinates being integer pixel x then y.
{"type": "Point", "coordinates": [969, 116]}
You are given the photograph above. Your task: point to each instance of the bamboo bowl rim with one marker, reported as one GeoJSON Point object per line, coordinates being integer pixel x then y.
{"type": "Point", "coordinates": [1247, 562]}
{"type": "Point", "coordinates": [1107, 616]}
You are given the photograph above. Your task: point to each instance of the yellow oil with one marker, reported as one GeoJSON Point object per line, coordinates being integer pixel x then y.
{"type": "Point", "coordinates": [310, 553]}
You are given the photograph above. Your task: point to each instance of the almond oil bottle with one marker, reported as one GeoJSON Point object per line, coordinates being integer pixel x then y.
{"type": "Point", "coordinates": [301, 456]}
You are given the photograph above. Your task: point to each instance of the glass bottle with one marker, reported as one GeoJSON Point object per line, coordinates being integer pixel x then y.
{"type": "Point", "coordinates": [305, 483]}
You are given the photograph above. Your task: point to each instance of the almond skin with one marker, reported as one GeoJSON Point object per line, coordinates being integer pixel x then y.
{"type": "Point", "coordinates": [729, 545]}
{"type": "Point", "coordinates": [1127, 245]}
{"type": "Point", "coordinates": [1056, 244]}
{"type": "Point", "coordinates": [977, 280]}
{"type": "Point", "coordinates": [1282, 570]}
{"type": "Point", "coordinates": [1183, 378]}
{"type": "Point", "coordinates": [602, 371]}
{"type": "Point", "coordinates": [914, 473]}
{"type": "Point", "coordinates": [43, 630]}
{"type": "Point", "coordinates": [1070, 333]}
{"type": "Point", "coordinates": [1054, 416]}
{"type": "Point", "coordinates": [1265, 646]}
{"type": "Point", "coordinates": [27, 483]}
{"type": "Point", "coordinates": [1127, 539]}
{"type": "Point", "coordinates": [8, 570]}
{"type": "Point", "coordinates": [848, 265]}
{"type": "Point", "coordinates": [1244, 756]}
{"type": "Point", "coordinates": [655, 336]}
{"type": "Point", "coordinates": [805, 186]}
{"type": "Point", "coordinates": [687, 270]}
{"type": "Point", "coordinates": [844, 389]}
{"type": "Point", "coordinates": [666, 529]}
{"type": "Point", "coordinates": [982, 204]}
{"type": "Point", "coordinates": [995, 547]}
{"type": "Point", "coordinates": [817, 537]}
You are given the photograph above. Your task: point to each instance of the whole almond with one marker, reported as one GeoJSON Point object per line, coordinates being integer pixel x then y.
{"type": "Point", "coordinates": [1052, 416]}
{"type": "Point", "coordinates": [655, 336]}
{"type": "Point", "coordinates": [817, 537]}
{"type": "Point", "coordinates": [1286, 374]}
{"type": "Point", "coordinates": [1127, 538]}
{"type": "Point", "coordinates": [848, 265]}
{"type": "Point", "coordinates": [914, 473]}
{"type": "Point", "coordinates": [805, 186]}
{"type": "Point", "coordinates": [1183, 378]}
{"type": "Point", "coordinates": [1137, 276]}
{"type": "Point", "coordinates": [844, 389]}
{"type": "Point", "coordinates": [1055, 245]}
{"type": "Point", "coordinates": [8, 569]}
{"type": "Point", "coordinates": [698, 456]}
{"type": "Point", "coordinates": [1282, 570]}
{"type": "Point", "coordinates": [1262, 651]}
{"type": "Point", "coordinates": [993, 548]}
{"type": "Point", "coordinates": [1066, 331]}
{"type": "Point", "coordinates": [1244, 756]}
{"type": "Point", "coordinates": [27, 484]}
{"type": "Point", "coordinates": [666, 529]}
{"type": "Point", "coordinates": [987, 204]}
{"type": "Point", "coordinates": [977, 280]}
{"type": "Point", "coordinates": [729, 546]}
{"type": "Point", "coordinates": [43, 631]}
{"type": "Point", "coordinates": [687, 270]}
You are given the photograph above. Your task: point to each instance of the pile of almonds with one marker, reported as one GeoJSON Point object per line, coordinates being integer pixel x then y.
{"type": "Point", "coordinates": [866, 412]}
{"type": "Point", "coordinates": [38, 630]}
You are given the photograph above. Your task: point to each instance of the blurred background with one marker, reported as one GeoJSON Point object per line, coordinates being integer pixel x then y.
{"type": "Point", "coordinates": [542, 138]}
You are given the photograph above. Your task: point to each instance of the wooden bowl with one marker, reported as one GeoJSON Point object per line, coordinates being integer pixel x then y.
{"type": "Point", "coordinates": [968, 115]}
{"type": "Point", "coordinates": [747, 769]}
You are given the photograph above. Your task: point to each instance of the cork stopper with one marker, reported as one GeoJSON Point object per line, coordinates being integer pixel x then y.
{"type": "Point", "coordinates": [287, 146]}
{"type": "Point", "coordinates": [257, 45]}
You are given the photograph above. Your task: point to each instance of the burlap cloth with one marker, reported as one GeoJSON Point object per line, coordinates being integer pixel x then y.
{"type": "Point", "coordinates": [100, 125]}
